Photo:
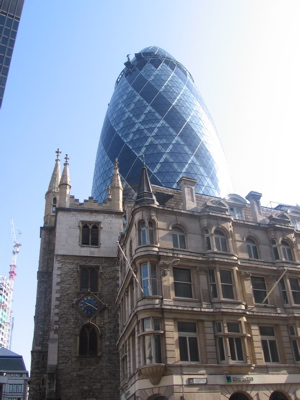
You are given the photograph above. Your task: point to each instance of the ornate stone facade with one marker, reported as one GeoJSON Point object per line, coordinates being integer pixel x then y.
{"type": "Point", "coordinates": [209, 298]}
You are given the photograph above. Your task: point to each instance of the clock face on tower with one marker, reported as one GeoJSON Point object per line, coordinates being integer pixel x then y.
{"type": "Point", "coordinates": [88, 305]}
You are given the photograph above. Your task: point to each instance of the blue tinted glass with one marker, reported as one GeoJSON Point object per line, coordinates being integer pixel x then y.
{"type": "Point", "coordinates": [156, 111]}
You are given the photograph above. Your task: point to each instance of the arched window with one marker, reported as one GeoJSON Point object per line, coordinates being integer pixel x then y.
{"type": "Point", "coordinates": [275, 250]}
{"type": "Point", "coordinates": [151, 232]}
{"type": "Point", "coordinates": [146, 232]}
{"type": "Point", "coordinates": [88, 341]}
{"type": "Point", "coordinates": [85, 234]}
{"type": "Point", "coordinates": [207, 239]}
{"type": "Point", "coordinates": [220, 241]}
{"type": "Point", "coordinates": [178, 237]}
{"type": "Point", "coordinates": [278, 396]}
{"type": "Point", "coordinates": [238, 396]}
{"type": "Point", "coordinates": [54, 203]}
{"type": "Point", "coordinates": [89, 234]}
{"type": "Point", "coordinates": [286, 251]}
{"type": "Point", "coordinates": [251, 248]}
{"type": "Point", "coordinates": [143, 233]}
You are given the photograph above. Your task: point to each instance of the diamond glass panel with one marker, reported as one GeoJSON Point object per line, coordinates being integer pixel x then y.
{"type": "Point", "coordinates": [157, 111]}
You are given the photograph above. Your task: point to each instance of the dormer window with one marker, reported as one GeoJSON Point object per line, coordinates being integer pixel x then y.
{"type": "Point", "coordinates": [235, 204]}
{"type": "Point", "coordinates": [236, 212]}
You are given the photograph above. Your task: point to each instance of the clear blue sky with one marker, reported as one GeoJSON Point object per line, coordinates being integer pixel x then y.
{"type": "Point", "coordinates": [244, 57]}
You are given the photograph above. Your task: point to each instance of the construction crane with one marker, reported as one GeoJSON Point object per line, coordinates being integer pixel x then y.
{"type": "Point", "coordinates": [6, 291]}
{"type": "Point", "coordinates": [16, 250]}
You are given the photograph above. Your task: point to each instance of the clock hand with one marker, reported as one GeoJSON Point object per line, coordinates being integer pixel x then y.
{"type": "Point", "coordinates": [89, 304]}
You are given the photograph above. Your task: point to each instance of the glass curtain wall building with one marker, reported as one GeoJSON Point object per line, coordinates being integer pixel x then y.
{"type": "Point", "coordinates": [10, 13]}
{"type": "Point", "coordinates": [157, 116]}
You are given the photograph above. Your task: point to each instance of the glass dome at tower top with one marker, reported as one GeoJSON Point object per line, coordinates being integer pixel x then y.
{"type": "Point", "coordinates": [157, 113]}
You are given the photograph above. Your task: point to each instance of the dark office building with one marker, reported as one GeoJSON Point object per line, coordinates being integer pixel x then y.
{"type": "Point", "coordinates": [156, 112]}
{"type": "Point", "coordinates": [10, 13]}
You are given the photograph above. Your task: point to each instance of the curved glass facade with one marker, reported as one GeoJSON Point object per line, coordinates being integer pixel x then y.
{"type": "Point", "coordinates": [156, 112]}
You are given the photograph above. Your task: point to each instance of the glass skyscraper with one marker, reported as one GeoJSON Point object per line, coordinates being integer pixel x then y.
{"type": "Point", "coordinates": [10, 13]}
{"type": "Point", "coordinates": [157, 116]}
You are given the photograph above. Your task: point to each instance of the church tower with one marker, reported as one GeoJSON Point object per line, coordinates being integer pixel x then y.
{"type": "Point", "coordinates": [74, 352]}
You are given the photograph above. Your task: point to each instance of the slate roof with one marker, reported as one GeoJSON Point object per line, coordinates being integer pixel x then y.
{"type": "Point", "coordinates": [10, 361]}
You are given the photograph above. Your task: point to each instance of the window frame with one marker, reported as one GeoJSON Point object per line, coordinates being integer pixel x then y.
{"type": "Point", "coordinates": [149, 278]}
{"type": "Point", "coordinates": [287, 253]}
{"type": "Point", "coordinates": [189, 340]}
{"type": "Point", "coordinates": [295, 342]}
{"type": "Point", "coordinates": [220, 241]}
{"type": "Point", "coordinates": [151, 338]}
{"type": "Point", "coordinates": [252, 248]}
{"type": "Point", "coordinates": [93, 287]}
{"type": "Point", "coordinates": [219, 286]}
{"type": "Point", "coordinates": [295, 290]}
{"type": "Point", "coordinates": [269, 345]}
{"type": "Point", "coordinates": [258, 290]}
{"type": "Point", "coordinates": [87, 233]}
{"type": "Point", "coordinates": [91, 346]}
{"type": "Point", "coordinates": [231, 347]}
{"type": "Point", "coordinates": [146, 230]}
{"type": "Point", "coordinates": [236, 212]}
{"type": "Point", "coordinates": [207, 239]}
{"type": "Point", "coordinates": [178, 237]}
{"type": "Point", "coordinates": [180, 284]}
{"type": "Point", "coordinates": [275, 250]}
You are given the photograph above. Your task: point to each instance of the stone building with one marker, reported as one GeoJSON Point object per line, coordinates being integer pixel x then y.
{"type": "Point", "coordinates": [74, 352]}
{"type": "Point", "coordinates": [200, 299]}
{"type": "Point", "coordinates": [209, 297]}
{"type": "Point", "coordinates": [172, 291]}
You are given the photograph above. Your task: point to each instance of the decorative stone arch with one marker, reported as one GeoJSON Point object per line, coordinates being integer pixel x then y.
{"type": "Point", "coordinates": [84, 333]}
{"type": "Point", "coordinates": [179, 224]}
{"type": "Point", "coordinates": [240, 395]}
{"type": "Point", "coordinates": [235, 199]}
{"type": "Point", "coordinates": [288, 240]}
{"type": "Point", "coordinates": [279, 395]}
{"type": "Point", "coordinates": [252, 238]}
{"type": "Point", "coordinates": [180, 227]}
{"type": "Point", "coordinates": [221, 228]}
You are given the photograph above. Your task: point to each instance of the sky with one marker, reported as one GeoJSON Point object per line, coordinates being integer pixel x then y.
{"type": "Point", "coordinates": [244, 56]}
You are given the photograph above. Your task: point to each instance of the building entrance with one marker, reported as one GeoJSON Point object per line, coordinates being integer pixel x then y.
{"type": "Point", "coordinates": [278, 396]}
{"type": "Point", "coordinates": [238, 396]}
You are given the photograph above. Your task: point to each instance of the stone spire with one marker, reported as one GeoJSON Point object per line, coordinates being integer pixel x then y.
{"type": "Point", "coordinates": [55, 178]}
{"type": "Point", "coordinates": [145, 193]}
{"type": "Point", "coordinates": [51, 196]}
{"type": "Point", "coordinates": [116, 189]}
{"type": "Point", "coordinates": [65, 185]}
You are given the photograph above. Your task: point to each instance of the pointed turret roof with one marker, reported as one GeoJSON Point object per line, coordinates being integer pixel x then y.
{"type": "Point", "coordinates": [116, 179]}
{"type": "Point", "coordinates": [65, 176]}
{"type": "Point", "coordinates": [145, 193]}
{"type": "Point", "coordinates": [55, 178]}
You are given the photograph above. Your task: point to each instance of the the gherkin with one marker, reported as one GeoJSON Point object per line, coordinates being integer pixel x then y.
{"type": "Point", "coordinates": [156, 114]}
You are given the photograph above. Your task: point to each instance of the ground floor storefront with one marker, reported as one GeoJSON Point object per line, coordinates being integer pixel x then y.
{"type": "Point", "coordinates": [218, 387]}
